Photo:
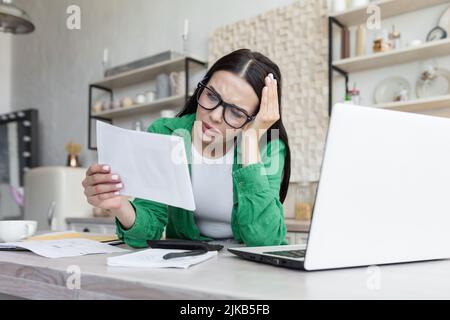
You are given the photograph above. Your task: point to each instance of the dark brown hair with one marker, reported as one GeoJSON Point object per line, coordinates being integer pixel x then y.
{"type": "Point", "coordinates": [254, 68]}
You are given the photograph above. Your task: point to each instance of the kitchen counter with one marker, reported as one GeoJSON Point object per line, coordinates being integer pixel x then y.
{"type": "Point", "coordinates": [26, 275]}
{"type": "Point", "coordinates": [292, 225]}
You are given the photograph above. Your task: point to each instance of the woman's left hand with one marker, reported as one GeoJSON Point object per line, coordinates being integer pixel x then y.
{"type": "Point", "coordinates": [269, 112]}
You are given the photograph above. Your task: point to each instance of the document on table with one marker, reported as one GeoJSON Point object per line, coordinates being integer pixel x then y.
{"type": "Point", "coordinates": [105, 238]}
{"type": "Point", "coordinates": [151, 166]}
{"type": "Point", "coordinates": [64, 248]}
{"type": "Point", "coordinates": [153, 258]}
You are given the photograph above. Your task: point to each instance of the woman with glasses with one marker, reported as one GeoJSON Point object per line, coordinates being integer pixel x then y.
{"type": "Point", "coordinates": [239, 162]}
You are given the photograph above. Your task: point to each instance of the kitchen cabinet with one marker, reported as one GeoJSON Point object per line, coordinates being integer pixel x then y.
{"type": "Point", "coordinates": [297, 231]}
{"type": "Point", "coordinates": [92, 225]}
{"type": "Point", "coordinates": [297, 237]}
{"type": "Point", "coordinates": [189, 64]}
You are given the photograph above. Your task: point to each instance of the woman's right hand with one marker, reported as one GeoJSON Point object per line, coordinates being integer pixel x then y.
{"type": "Point", "coordinates": [102, 188]}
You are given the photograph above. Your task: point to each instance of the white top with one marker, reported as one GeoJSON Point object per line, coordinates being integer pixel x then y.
{"type": "Point", "coordinates": [212, 184]}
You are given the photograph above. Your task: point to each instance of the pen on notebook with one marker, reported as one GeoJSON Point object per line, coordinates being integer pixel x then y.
{"type": "Point", "coordinates": [173, 255]}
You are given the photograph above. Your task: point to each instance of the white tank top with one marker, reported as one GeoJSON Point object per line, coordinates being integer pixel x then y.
{"type": "Point", "coordinates": [212, 185]}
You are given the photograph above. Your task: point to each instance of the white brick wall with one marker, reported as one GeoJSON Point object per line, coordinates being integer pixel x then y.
{"type": "Point", "coordinates": [296, 38]}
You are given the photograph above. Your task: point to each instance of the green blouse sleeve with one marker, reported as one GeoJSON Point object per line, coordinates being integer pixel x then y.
{"type": "Point", "coordinates": [151, 219]}
{"type": "Point", "coordinates": [260, 213]}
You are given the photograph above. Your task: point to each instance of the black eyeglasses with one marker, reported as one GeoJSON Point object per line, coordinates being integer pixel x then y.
{"type": "Point", "coordinates": [234, 116]}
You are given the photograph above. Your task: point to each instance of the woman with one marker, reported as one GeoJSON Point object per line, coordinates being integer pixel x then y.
{"type": "Point", "coordinates": [240, 162]}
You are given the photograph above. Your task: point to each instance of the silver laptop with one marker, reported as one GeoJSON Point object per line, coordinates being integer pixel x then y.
{"type": "Point", "coordinates": [383, 195]}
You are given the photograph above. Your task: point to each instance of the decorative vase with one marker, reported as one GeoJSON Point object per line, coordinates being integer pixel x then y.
{"type": "Point", "coordinates": [72, 161]}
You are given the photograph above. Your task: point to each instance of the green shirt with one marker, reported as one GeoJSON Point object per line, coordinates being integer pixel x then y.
{"type": "Point", "coordinates": [257, 217]}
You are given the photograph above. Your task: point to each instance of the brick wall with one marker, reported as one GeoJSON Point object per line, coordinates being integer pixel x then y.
{"type": "Point", "coordinates": [296, 38]}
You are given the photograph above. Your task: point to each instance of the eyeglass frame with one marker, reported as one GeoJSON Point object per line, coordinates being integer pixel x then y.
{"type": "Point", "coordinates": [201, 86]}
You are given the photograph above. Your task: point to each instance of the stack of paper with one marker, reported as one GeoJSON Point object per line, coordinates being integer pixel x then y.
{"type": "Point", "coordinates": [64, 248]}
{"type": "Point", "coordinates": [153, 258]}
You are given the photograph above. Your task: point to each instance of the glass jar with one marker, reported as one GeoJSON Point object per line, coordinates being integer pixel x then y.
{"type": "Point", "coordinates": [304, 201]}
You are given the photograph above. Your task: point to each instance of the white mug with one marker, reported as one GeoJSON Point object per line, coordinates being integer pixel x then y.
{"type": "Point", "coordinates": [140, 99]}
{"type": "Point", "coordinates": [414, 43]}
{"type": "Point", "coordinates": [12, 231]}
{"type": "Point", "coordinates": [150, 96]}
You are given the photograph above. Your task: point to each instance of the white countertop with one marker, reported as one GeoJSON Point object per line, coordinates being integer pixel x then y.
{"type": "Point", "coordinates": [292, 225]}
{"type": "Point", "coordinates": [223, 277]}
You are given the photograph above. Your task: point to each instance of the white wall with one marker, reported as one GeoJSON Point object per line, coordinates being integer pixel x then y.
{"type": "Point", "coordinates": [53, 66]}
{"type": "Point", "coordinates": [5, 73]}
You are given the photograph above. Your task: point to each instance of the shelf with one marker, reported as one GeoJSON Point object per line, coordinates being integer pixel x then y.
{"type": "Point", "coordinates": [389, 8]}
{"type": "Point", "coordinates": [426, 104]}
{"type": "Point", "coordinates": [146, 73]}
{"type": "Point", "coordinates": [141, 75]}
{"type": "Point", "coordinates": [142, 108]}
{"type": "Point", "coordinates": [294, 225]}
{"type": "Point", "coordinates": [395, 57]}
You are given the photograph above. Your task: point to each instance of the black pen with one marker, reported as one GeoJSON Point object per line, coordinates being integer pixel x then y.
{"type": "Point", "coordinates": [173, 255]}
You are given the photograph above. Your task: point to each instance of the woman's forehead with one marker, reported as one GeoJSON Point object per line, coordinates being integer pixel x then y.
{"type": "Point", "coordinates": [234, 89]}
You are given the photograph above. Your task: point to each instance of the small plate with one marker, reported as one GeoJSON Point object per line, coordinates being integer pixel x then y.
{"type": "Point", "coordinates": [439, 86]}
{"type": "Point", "coordinates": [389, 89]}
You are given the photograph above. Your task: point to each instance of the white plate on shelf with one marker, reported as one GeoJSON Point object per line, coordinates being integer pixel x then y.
{"type": "Point", "coordinates": [439, 86]}
{"type": "Point", "coordinates": [389, 89]}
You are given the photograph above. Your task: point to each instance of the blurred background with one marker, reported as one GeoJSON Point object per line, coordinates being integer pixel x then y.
{"type": "Point", "coordinates": [66, 64]}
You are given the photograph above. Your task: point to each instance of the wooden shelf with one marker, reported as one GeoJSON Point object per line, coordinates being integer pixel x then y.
{"type": "Point", "coordinates": [146, 73]}
{"type": "Point", "coordinates": [389, 8]}
{"type": "Point", "coordinates": [426, 104]}
{"type": "Point", "coordinates": [293, 225]}
{"type": "Point", "coordinates": [395, 57]}
{"type": "Point", "coordinates": [143, 108]}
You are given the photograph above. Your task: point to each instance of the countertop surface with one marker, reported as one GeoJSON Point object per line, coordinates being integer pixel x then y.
{"type": "Point", "coordinates": [292, 225]}
{"type": "Point", "coordinates": [26, 275]}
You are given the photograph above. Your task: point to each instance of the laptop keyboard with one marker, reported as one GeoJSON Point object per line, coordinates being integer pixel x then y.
{"type": "Point", "coordinates": [289, 253]}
